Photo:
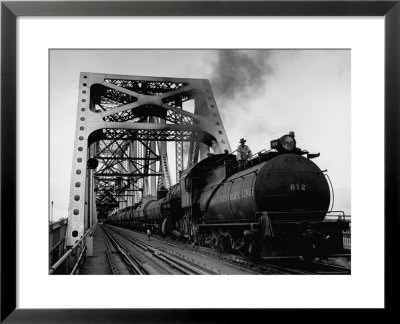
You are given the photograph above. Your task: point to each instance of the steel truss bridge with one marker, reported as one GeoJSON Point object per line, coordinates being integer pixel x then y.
{"type": "Point", "coordinates": [122, 129]}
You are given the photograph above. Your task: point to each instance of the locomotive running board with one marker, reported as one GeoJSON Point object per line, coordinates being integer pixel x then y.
{"type": "Point", "coordinates": [253, 226]}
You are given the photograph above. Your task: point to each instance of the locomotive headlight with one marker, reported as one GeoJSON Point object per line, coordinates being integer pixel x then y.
{"type": "Point", "coordinates": [287, 142]}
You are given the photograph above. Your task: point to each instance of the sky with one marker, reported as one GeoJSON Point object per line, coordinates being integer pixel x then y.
{"type": "Point", "coordinates": [261, 95]}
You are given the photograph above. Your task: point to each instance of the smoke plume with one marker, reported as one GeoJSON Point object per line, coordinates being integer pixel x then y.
{"type": "Point", "coordinates": [240, 73]}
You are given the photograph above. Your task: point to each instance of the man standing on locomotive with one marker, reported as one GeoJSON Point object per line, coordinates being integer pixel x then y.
{"type": "Point", "coordinates": [243, 151]}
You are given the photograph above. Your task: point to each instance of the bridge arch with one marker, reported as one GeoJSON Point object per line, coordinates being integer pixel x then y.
{"type": "Point", "coordinates": [124, 123]}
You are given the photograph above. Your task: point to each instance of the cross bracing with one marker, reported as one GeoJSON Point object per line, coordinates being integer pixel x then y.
{"type": "Point", "coordinates": [146, 86]}
{"type": "Point", "coordinates": [123, 126]}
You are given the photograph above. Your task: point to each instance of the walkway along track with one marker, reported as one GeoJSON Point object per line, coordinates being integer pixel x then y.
{"type": "Point", "coordinates": [146, 259]}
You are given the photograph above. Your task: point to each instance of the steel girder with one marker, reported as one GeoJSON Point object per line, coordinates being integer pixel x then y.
{"type": "Point", "coordinates": [118, 118]}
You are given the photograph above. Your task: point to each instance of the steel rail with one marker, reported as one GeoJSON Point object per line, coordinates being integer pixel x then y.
{"type": "Point", "coordinates": [123, 251]}
{"type": "Point", "coordinates": [312, 268]}
{"type": "Point", "coordinates": [266, 262]}
{"type": "Point", "coordinates": [180, 265]}
{"type": "Point", "coordinates": [230, 259]}
{"type": "Point", "coordinates": [131, 255]}
{"type": "Point", "coordinates": [113, 267]}
{"type": "Point", "coordinates": [133, 262]}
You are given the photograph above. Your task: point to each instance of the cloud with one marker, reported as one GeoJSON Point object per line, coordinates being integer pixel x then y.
{"type": "Point", "coordinates": [240, 73]}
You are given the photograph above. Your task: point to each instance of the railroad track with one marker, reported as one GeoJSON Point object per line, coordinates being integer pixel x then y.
{"type": "Point", "coordinates": [290, 265]}
{"type": "Point", "coordinates": [111, 255]}
{"type": "Point", "coordinates": [206, 261]}
{"type": "Point", "coordinates": [264, 266]}
{"type": "Point", "coordinates": [297, 266]}
{"type": "Point", "coordinates": [116, 245]}
{"type": "Point", "coordinates": [123, 243]}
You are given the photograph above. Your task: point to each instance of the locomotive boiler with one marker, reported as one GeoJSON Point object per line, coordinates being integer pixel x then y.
{"type": "Point", "coordinates": [273, 204]}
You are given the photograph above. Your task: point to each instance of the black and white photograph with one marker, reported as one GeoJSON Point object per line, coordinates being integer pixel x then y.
{"type": "Point", "coordinates": [200, 161]}
{"type": "Point", "coordinates": [252, 143]}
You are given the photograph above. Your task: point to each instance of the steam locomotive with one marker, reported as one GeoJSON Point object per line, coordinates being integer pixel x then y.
{"type": "Point", "coordinates": [274, 204]}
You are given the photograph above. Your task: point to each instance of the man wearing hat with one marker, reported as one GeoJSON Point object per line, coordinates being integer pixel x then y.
{"type": "Point", "coordinates": [243, 151]}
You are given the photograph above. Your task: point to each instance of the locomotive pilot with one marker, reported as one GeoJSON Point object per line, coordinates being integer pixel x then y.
{"type": "Point", "coordinates": [243, 151]}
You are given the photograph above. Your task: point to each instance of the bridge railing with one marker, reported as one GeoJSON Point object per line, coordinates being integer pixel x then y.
{"type": "Point", "coordinates": [75, 256]}
{"type": "Point", "coordinates": [347, 240]}
{"type": "Point", "coordinates": [57, 231]}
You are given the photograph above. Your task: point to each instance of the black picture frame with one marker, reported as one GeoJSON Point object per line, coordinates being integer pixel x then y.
{"type": "Point", "coordinates": [10, 10]}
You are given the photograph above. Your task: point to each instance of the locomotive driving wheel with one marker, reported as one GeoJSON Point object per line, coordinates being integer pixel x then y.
{"type": "Point", "coordinates": [224, 242]}
{"type": "Point", "coordinates": [243, 246]}
{"type": "Point", "coordinates": [246, 245]}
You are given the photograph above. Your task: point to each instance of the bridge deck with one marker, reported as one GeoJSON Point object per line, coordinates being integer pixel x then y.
{"type": "Point", "coordinates": [98, 263]}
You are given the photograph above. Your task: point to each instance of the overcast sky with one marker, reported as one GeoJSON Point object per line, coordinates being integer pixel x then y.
{"type": "Point", "coordinates": [261, 95]}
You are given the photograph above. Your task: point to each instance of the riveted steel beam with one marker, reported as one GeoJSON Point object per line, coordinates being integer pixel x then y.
{"type": "Point", "coordinates": [118, 118]}
{"type": "Point", "coordinates": [127, 175]}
